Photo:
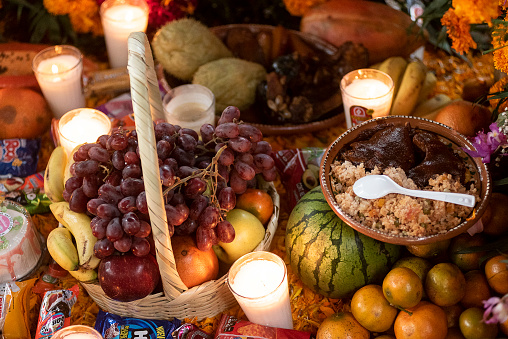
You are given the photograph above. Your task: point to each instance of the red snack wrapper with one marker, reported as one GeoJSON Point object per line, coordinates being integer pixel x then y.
{"type": "Point", "coordinates": [299, 171]}
{"type": "Point", "coordinates": [232, 328]}
{"type": "Point", "coordinates": [55, 311]}
{"type": "Point", "coordinates": [190, 331]}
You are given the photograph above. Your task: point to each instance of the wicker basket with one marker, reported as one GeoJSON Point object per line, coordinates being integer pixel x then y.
{"type": "Point", "coordinates": [208, 299]}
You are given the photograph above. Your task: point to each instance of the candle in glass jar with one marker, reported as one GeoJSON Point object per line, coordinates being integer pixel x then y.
{"type": "Point", "coordinates": [366, 93]}
{"type": "Point", "coordinates": [81, 126]}
{"type": "Point", "coordinates": [77, 332]}
{"type": "Point", "coordinates": [259, 283]}
{"type": "Point", "coordinates": [119, 19]}
{"type": "Point", "coordinates": [58, 71]}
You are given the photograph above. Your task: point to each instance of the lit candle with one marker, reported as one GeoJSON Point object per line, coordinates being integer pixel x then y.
{"type": "Point", "coordinates": [81, 126]}
{"type": "Point", "coordinates": [77, 332]}
{"type": "Point", "coordinates": [259, 283]}
{"type": "Point", "coordinates": [119, 19]}
{"type": "Point", "coordinates": [58, 71]}
{"type": "Point", "coordinates": [366, 94]}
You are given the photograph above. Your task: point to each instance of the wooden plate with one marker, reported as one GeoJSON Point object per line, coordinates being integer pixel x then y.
{"type": "Point", "coordinates": [334, 115]}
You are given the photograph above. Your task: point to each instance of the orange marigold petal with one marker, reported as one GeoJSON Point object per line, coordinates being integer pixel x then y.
{"type": "Point", "coordinates": [458, 31]}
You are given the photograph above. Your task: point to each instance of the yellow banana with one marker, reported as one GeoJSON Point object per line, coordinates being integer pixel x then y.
{"type": "Point", "coordinates": [394, 67]}
{"type": "Point", "coordinates": [54, 175]}
{"type": "Point", "coordinates": [428, 87]}
{"type": "Point", "coordinates": [62, 249]}
{"type": "Point", "coordinates": [84, 275]}
{"type": "Point", "coordinates": [412, 82]}
{"type": "Point", "coordinates": [430, 105]}
{"type": "Point", "coordinates": [79, 225]}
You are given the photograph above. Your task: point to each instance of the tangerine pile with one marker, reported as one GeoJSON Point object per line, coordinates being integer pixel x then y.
{"type": "Point", "coordinates": [435, 291]}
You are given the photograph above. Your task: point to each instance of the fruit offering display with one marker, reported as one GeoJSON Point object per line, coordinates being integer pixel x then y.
{"type": "Point", "coordinates": [103, 200]}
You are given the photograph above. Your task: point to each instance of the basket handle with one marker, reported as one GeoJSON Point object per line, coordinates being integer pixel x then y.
{"type": "Point", "coordinates": [144, 86]}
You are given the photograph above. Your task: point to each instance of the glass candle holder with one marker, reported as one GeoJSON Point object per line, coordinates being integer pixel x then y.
{"type": "Point", "coordinates": [82, 125]}
{"type": "Point", "coordinates": [77, 332]}
{"type": "Point", "coordinates": [58, 71]}
{"type": "Point", "coordinates": [189, 106]}
{"type": "Point", "coordinates": [258, 280]}
{"type": "Point", "coordinates": [366, 94]}
{"type": "Point", "coordinates": [119, 19]}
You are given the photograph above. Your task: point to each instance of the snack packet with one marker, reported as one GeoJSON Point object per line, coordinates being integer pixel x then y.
{"type": "Point", "coordinates": [19, 157]}
{"type": "Point", "coordinates": [112, 326]}
{"type": "Point", "coordinates": [299, 171]}
{"type": "Point", "coordinates": [15, 309]}
{"type": "Point", "coordinates": [232, 328]}
{"type": "Point", "coordinates": [190, 331]}
{"type": "Point", "coordinates": [55, 311]}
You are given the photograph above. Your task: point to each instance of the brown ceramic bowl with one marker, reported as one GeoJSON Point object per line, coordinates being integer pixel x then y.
{"type": "Point", "coordinates": [479, 173]}
{"type": "Point", "coordinates": [332, 110]}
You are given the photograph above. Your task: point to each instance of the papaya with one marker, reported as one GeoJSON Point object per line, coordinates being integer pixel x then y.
{"type": "Point", "coordinates": [384, 31]}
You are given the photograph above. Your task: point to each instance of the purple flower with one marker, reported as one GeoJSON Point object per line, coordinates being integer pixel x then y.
{"type": "Point", "coordinates": [487, 144]}
{"type": "Point", "coordinates": [496, 310]}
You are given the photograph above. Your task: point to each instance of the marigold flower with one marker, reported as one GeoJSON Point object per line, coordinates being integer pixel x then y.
{"type": "Point", "coordinates": [300, 7]}
{"type": "Point", "coordinates": [458, 31]}
{"type": "Point", "coordinates": [499, 44]}
{"type": "Point", "coordinates": [476, 11]}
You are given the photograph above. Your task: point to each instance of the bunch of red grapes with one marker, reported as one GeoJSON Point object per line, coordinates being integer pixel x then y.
{"type": "Point", "coordinates": [200, 178]}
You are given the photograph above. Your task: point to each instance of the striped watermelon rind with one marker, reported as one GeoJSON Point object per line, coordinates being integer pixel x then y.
{"type": "Point", "coordinates": [329, 256]}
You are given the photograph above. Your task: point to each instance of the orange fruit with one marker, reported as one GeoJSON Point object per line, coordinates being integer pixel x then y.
{"type": "Point", "coordinates": [477, 289]}
{"type": "Point", "coordinates": [454, 333]}
{"type": "Point", "coordinates": [24, 113]}
{"type": "Point", "coordinates": [472, 326]}
{"type": "Point", "coordinates": [342, 325]}
{"type": "Point", "coordinates": [465, 117]}
{"type": "Point", "coordinates": [424, 321]}
{"type": "Point", "coordinates": [193, 265]}
{"type": "Point", "coordinates": [385, 336]}
{"type": "Point", "coordinates": [402, 287]}
{"type": "Point", "coordinates": [445, 284]}
{"type": "Point", "coordinates": [496, 224]}
{"type": "Point", "coordinates": [429, 250]}
{"type": "Point", "coordinates": [420, 266]}
{"type": "Point", "coordinates": [372, 310]}
{"type": "Point", "coordinates": [464, 241]}
{"type": "Point", "coordinates": [257, 202]}
{"type": "Point", "coordinates": [496, 271]}
{"type": "Point", "coordinates": [452, 314]}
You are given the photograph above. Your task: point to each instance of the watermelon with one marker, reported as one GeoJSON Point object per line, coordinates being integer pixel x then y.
{"type": "Point", "coordinates": [330, 257]}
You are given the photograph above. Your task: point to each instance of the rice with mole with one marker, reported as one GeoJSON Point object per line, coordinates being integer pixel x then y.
{"type": "Point", "coordinates": [414, 159]}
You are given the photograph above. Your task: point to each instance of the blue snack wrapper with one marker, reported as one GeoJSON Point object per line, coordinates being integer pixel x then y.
{"type": "Point", "coordinates": [19, 157]}
{"type": "Point", "coordinates": [112, 326]}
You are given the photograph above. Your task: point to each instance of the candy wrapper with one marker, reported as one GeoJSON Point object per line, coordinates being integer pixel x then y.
{"type": "Point", "coordinates": [19, 157]}
{"type": "Point", "coordinates": [111, 326]}
{"type": "Point", "coordinates": [55, 311]}
{"type": "Point", "coordinates": [15, 309]}
{"type": "Point", "coordinates": [190, 331]}
{"type": "Point", "coordinates": [299, 171]}
{"type": "Point", "coordinates": [232, 328]}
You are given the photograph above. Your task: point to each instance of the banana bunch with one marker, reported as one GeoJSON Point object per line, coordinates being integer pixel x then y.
{"type": "Point", "coordinates": [71, 246]}
{"type": "Point", "coordinates": [413, 85]}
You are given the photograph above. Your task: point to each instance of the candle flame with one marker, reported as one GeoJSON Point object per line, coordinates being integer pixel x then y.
{"type": "Point", "coordinates": [129, 16]}
{"type": "Point", "coordinates": [54, 69]}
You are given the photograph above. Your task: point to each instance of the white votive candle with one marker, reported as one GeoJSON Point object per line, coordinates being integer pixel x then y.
{"type": "Point", "coordinates": [259, 283]}
{"type": "Point", "coordinates": [119, 19]}
{"type": "Point", "coordinates": [58, 71]}
{"type": "Point", "coordinates": [366, 94]}
{"type": "Point", "coordinates": [77, 332]}
{"type": "Point", "coordinates": [81, 126]}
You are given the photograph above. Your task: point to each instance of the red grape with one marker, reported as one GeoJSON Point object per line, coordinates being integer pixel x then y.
{"type": "Point", "coordinates": [207, 131]}
{"type": "Point", "coordinates": [167, 175]}
{"type": "Point", "coordinates": [183, 157]}
{"type": "Point", "coordinates": [270, 174]}
{"type": "Point", "coordinates": [175, 215]}
{"type": "Point", "coordinates": [246, 158]}
{"type": "Point", "coordinates": [262, 147]}
{"type": "Point", "coordinates": [144, 229]}
{"type": "Point", "coordinates": [82, 152]}
{"type": "Point", "coordinates": [78, 201]}
{"type": "Point", "coordinates": [132, 171]}
{"type": "Point", "coordinates": [186, 142]}
{"type": "Point", "coordinates": [227, 130]}
{"type": "Point", "coordinates": [240, 144]}
{"type": "Point", "coordinates": [72, 183]}
{"type": "Point", "coordinates": [189, 131]}
{"type": "Point", "coordinates": [229, 114]}
{"type": "Point", "coordinates": [204, 238]}
{"type": "Point", "coordinates": [90, 186]}
{"type": "Point", "coordinates": [118, 160]}
{"type": "Point", "coordinates": [141, 203]}
{"type": "Point", "coordinates": [264, 161]}
{"type": "Point", "coordinates": [103, 248]}
{"type": "Point", "coordinates": [245, 171]}
{"type": "Point", "coordinates": [92, 205]}
{"type": "Point", "coordinates": [227, 198]}
{"type": "Point", "coordinates": [103, 140]}
{"type": "Point", "coordinates": [250, 132]}
{"type": "Point", "coordinates": [117, 141]}
{"type": "Point", "coordinates": [177, 198]}
{"type": "Point", "coordinates": [164, 149]}
{"type": "Point", "coordinates": [98, 153]}
{"type": "Point", "coordinates": [227, 157]}
{"type": "Point", "coordinates": [131, 158]}
{"type": "Point", "coordinates": [99, 227]}
{"type": "Point", "coordinates": [194, 187]}
{"type": "Point", "coordinates": [197, 206]}
{"type": "Point", "coordinates": [132, 186]}
{"type": "Point", "coordinates": [225, 231]}
{"type": "Point", "coordinates": [114, 178]}
{"type": "Point", "coordinates": [87, 167]}
{"type": "Point", "coordinates": [162, 129]}
{"type": "Point", "coordinates": [114, 230]}
{"type": "Point", "coordinates": [237, 183]}
{"type": "Point", "coordinates": [188, 227]}
{"type": "Point", "coordinates": [209, 217]}
{"type": "Point", "coordinates": [107, 211]}
{"type": "Point", "coordinates": [123, 244]}
{"type": "Point", "coordinates": [111, 194]}
{"type": "Point", "coordinates": [140, 246]}
{"type": "Point", "coordinates": [130, 223]}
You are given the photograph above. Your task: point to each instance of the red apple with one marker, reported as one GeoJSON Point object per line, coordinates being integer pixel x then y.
{"type": "Point", "coordinates": [128, 277]}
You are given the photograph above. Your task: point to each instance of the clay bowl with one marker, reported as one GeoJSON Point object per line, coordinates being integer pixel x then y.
{"type": "Point", "coordinates": [478, 171]}
{"type": "Point", "coordinates": [332, 111]}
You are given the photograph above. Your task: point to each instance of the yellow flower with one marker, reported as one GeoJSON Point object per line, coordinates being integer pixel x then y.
{"type": "Point", "coordinates": [59, 7]}
{"type": "Point", "coordinates": [458, 31]}
{"type": "Point", "coordinates": [476, 11]}
{"type": "Point", "coordinates": [83, 14]}
{"type": "Point", "coordinates": [300, 7]}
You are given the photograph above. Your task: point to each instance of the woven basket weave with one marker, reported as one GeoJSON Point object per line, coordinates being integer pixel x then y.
{"type": "Point", "coordinates": [208, 299]}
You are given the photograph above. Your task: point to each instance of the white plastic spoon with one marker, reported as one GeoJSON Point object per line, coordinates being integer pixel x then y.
{"type": "Point", "coordinates": [377, 186]}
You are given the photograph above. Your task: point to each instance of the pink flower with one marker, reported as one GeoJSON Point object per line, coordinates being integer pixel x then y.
{"type": "Point", "coordinates": [496, 310]}
{"type": "Point", "coordinates": [487, 144]}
